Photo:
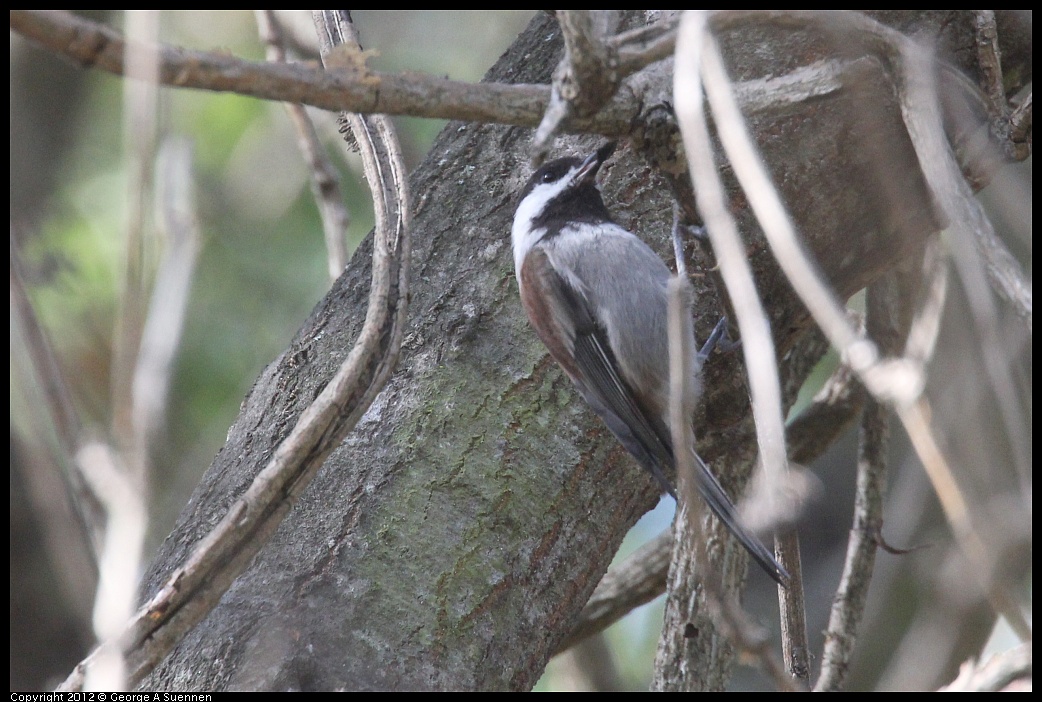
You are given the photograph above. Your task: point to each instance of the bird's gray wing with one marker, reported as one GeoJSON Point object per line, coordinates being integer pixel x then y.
{"type": "Point", "coordinates": [592, 365]}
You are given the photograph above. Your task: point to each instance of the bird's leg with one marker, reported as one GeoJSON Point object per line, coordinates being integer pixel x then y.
{"type": "Point", "coordinates": [719, 338]}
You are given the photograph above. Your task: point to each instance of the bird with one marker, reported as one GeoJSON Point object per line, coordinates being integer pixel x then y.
{"type": "Point", "coordinates": [595, 294]}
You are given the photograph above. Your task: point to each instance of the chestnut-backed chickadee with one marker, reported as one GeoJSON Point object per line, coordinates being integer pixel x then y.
{"type": "Point", "coordinates": [596, 296]}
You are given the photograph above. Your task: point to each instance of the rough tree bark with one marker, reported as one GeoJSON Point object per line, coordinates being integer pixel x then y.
{"type": "Point", "coordinates": [453, 538]}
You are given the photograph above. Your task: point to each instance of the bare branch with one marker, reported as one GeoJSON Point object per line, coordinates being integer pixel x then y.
{"type": "Point", "coordinates": [692, 571]}
{"type": "Point", "coordinates": [120, 474]}
{"type": "Point", "coordinates": [194, 588]}
{"type": "Point", "coordinates": [922, 335]}
{"type": "Point", "coordinates": [1007, 127]}
{"type": "Point", "coordinates": [916, 421]}
{"type": "Point", "coordinates": [584, 80]}
{"type": "Point", "coordinates": [46, 374]}
{"type": "Point", "coordinates": [354, 89]}
{"type": "Point", "coordinates": [756, 338]}
{"type": "Point", "coordinates": [325, 181]}
{"type": "Point", "coordinates": [636, 581]}
{"type": "Point", "coordinates": [362, 90]}
{"type": "Point", "coordinates": [121, 484]}
{"type": "Point", "coordinates": [643, 46]}
{"type": "Point", "coordinates": [164, 324]}
{"type": "Point", "coordinates": [758, 346]}
{"type": "Point", "coordinates": [990, 59]}
{"type": "Point", "coordinates": [677, 237]}
{"type": "Point", "coordinates": [1020, 120]}
{"type": "Point", "coordinates": [690, 568]}
{"type": "Point", "coordinates": [848, 605]}
{"type": "Point", "coordinates": [119, 562]}
{"type": "Point", "coordinates": [140, 134]}
{"type": "Point", "coordinates": [999, 673]}
{"type": "Point", "coordinates": [1004, 272]}
{"type": "Point", "coordinates": [793, 610]}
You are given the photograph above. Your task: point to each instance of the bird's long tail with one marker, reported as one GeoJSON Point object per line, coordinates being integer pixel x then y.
{"type": "Point", "coordinates": [726, 512]}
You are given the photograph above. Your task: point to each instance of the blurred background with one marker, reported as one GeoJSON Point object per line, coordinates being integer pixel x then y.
{"type": "Point", "coordinates": [261, 268]}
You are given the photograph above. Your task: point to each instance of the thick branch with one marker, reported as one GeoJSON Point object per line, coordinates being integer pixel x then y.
{"type": "Point", "coordinates": [357, 89]}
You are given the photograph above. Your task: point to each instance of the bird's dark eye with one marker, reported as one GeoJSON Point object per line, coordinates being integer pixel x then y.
{"type": "Point", "coordinates": [549, 177]}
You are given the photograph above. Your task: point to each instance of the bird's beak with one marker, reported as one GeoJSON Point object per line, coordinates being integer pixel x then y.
{"type": "Point", "coordinates": [588, 169]}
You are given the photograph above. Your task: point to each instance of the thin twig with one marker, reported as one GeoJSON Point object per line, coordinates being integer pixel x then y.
{"type": "Point", "coordinates": [989, 56]}
{"type": "Point", "coordinates": [1007, 131]}
{"type": "Point", "coordinates": [691, 572]}
{"type": "Point", "coordinates": [848, 605]}
{"type": "Point", "coordinates": [996, 674]}
{"type": "Point", "coordinates": [792, 608]}
{"type": "Point", "coordinates": [325, 180]}
{"type": "Point", "coordinates": [1006, 275]}
{"type": "Point", "coordinates": [756, 338]}
{"type": "Point", "coordinates": [168, 302]}
{"type": "Point", "coordinates": [1020, 120]}
{"type": "Point", "coordinates": [926, 325]}
{"type": "Point", "coordinates": [645, 45]}
{"type": "Point", "coordinates": [121, 483]}
{"type": "Point", "coordinates": [758, 346]}
{"type": "Point", "coordinates": [677, 660]}
{"type": "Point", "coordinates": [140, 133]}
{"type": "Point", "coordinates": [677, 236]}
{"type": "Point", "coordinates": [916, 421]}
{"type": "Point", "coordinates": [724, 608]}
{"type": "Point", "coordinates": [119, 562]}
{"type": "Point", "coordinates": [46, 374]}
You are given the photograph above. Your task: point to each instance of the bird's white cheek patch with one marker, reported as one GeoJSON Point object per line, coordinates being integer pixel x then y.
{"type": "Point", "coordinates": [522, 235]}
